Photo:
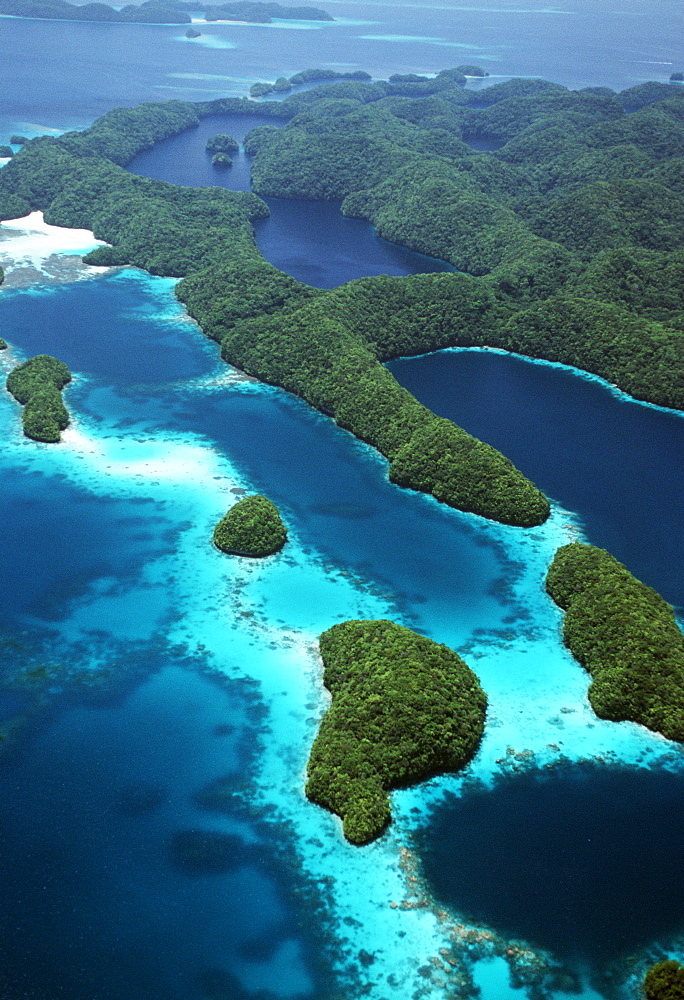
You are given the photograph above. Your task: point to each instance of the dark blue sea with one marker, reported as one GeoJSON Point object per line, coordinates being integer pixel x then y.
{"type": "Point", "coordinates": [158, 699]}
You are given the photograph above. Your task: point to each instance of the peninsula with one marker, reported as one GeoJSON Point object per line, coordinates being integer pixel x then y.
{"type": "Point", "coordinates": [569, 251]}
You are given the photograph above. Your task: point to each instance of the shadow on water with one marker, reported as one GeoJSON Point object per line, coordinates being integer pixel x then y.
{"type": "Point", "coordinates": [583, 861]}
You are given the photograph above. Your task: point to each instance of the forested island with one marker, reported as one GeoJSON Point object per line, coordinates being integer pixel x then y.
{"type": "Point", "coordinates": [37, 384]}
{"type": "Point", "coordinates": [161, 11]}
{"type": "Point", "coordinates": [569, 237]}
{"type": "Point", "coordinates": [625, 635]}
{"type": "Point", "coordinates": [404, 708]}
{"type": "Point", "coordinates": [665, 981]}
{"type": "Point", "coordinates": [252, 527]}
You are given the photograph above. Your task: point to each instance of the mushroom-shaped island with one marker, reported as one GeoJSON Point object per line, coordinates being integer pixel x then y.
{"type": "Point", "coordinates": [253, 527]}
{"type": "Point", "coordinates": [404, 708]}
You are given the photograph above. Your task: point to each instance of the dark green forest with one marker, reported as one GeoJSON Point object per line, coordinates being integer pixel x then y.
{"type": "Point", "coordinates": [625, 635]}
{"type": "Point", "coordinates": [567, 235]}
{"type": "Point", "coordinates": [403, 708]}
{"type": "Point", "coordinates": [37, 384]}
{"type": "Point", "coordinates": [252, 527]}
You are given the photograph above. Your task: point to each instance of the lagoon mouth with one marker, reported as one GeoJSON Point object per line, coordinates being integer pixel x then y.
{"type": "Point", "coordinates": [583, 861]}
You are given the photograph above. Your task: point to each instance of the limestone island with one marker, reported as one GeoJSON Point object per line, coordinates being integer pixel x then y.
{"type": "Point", "coordinates": [625, 635]}
{"type": "Point", "coordinates": [253, 527]}
{"type": "Point", "coordinates": [193, 33]}
{"type": "Point", "coordinates": [222, 143]}
{"type": "Point", "coordinates": [404, 708]}
{"type": "Point", "coordinates": [37, 385]}
{"type": "Point", "coordinates": [221, 160]}
{"type": "Point", "coordinates": [665, 981]}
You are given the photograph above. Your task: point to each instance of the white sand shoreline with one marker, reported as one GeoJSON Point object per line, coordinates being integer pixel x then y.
{"type": "Point", "coordinates": [30, 242]}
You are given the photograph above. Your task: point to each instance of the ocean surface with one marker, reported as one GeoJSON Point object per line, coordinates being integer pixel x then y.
{"type": "Point", "coordinates": [158, 699]}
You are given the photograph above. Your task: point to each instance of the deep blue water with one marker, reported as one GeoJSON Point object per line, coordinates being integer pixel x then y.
{"type": "Point", "coordinates": [584, 862]}
{"type": "Point", "coordinates": [619, 465]}
{"type": "Point", "coordinates": [100, 899]}
{"type": "Point", "coordinates": [312, 241]}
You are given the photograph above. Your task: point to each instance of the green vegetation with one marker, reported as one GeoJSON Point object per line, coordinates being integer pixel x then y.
{"type": "Point", "coordinates": [253, 527]}
{"type": "Point", "coordinates": [267, 323]}
{"type": "Point", "coordinates": [37, 385]}
{"type": "Point", "coordinates": [18, 140]}
{"type": "Point", "coordinates": [625, 635]}
{"type": "Point", "coordinates": [677, 77]}
{"type": "Point", "coordinates": [6, 152]}
{"type": "Point", "coordinates": [404, 708]}
{"type": "Point", "coordinates": [160, 11]}
{"type": "Point", "coordinates": [569, 238]}
{"type": "Point", "coordinates": [221, 160]}
{"type": "Point", "coordinates": [3, 344]}
{"type": "Point", "coordinates": [665, 981]}
{"type": "Point", "coordinates": [222, 144]}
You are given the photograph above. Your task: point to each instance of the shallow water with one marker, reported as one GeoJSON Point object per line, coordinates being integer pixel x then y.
{"type": "Point", "coordinates": [139, 665]}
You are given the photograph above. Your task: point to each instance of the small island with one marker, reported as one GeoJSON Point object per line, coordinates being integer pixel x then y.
{"type": "Point", "coordinates": [6, 152]}
{"type": "Point", "coordinates": [221, 160]}
{"type": "Point", "coordinates": [253, 527]}
{"type": "Point", "coordinates": [37, 384]}
{"type": "Point", "coordinates": [193, 33]}
{"type": "Point", "coordinates": [625, 635]}
{"type": "Point", "coordinates": [665, 981]}
{"type": "Point", "coordinates": [222, 144]}
{"type": "Point", "coordinates": [404, 708]}
{"type": "Point", "coordinates": [3, 344]}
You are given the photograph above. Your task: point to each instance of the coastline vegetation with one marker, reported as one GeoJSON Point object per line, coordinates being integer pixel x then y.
{"type": "Point", "coordinates": [570, 251]}
{"type": "Point", "coordinates": [404, 708]}
{"type": "Point", "coordinates": [37, 384]}
{"type": "Point", "coordinates": [252, 527]}
{"type": "Point", "coordinates": [626, 637]}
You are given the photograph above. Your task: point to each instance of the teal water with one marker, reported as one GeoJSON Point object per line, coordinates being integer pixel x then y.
{"type": "Point", "coordinates": [158, 700]}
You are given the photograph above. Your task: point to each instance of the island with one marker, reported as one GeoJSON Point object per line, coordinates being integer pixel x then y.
{"type": "Point", "coordinates": [37, 384]}
{"type": "Point", "coordinates": [665, 981]}
{"type": "Point", "coordinates": [221, 160]}
{"type": "Point", "coordinates": [567, 237]}
{"type": "Point", "coordinates": [222, 144]}
{"type": "Point", "coordinates": [193, 33]}
{"type": "Point", "coordinates": [3, 344]}
{"type": "Point", "coordinates": [161, 11]}
{"type": "Point", "coordinates": [252, 527]}
{"type": "Point", "coordinates": [6, 152]}
{"type": "Point", "coordinates": [625, 635]}
{"type": "Point", "coordinates": [404, 708]}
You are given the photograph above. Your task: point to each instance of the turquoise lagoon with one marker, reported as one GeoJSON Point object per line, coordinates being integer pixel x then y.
{"type": "Point", "coordinates": [159, 699]}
